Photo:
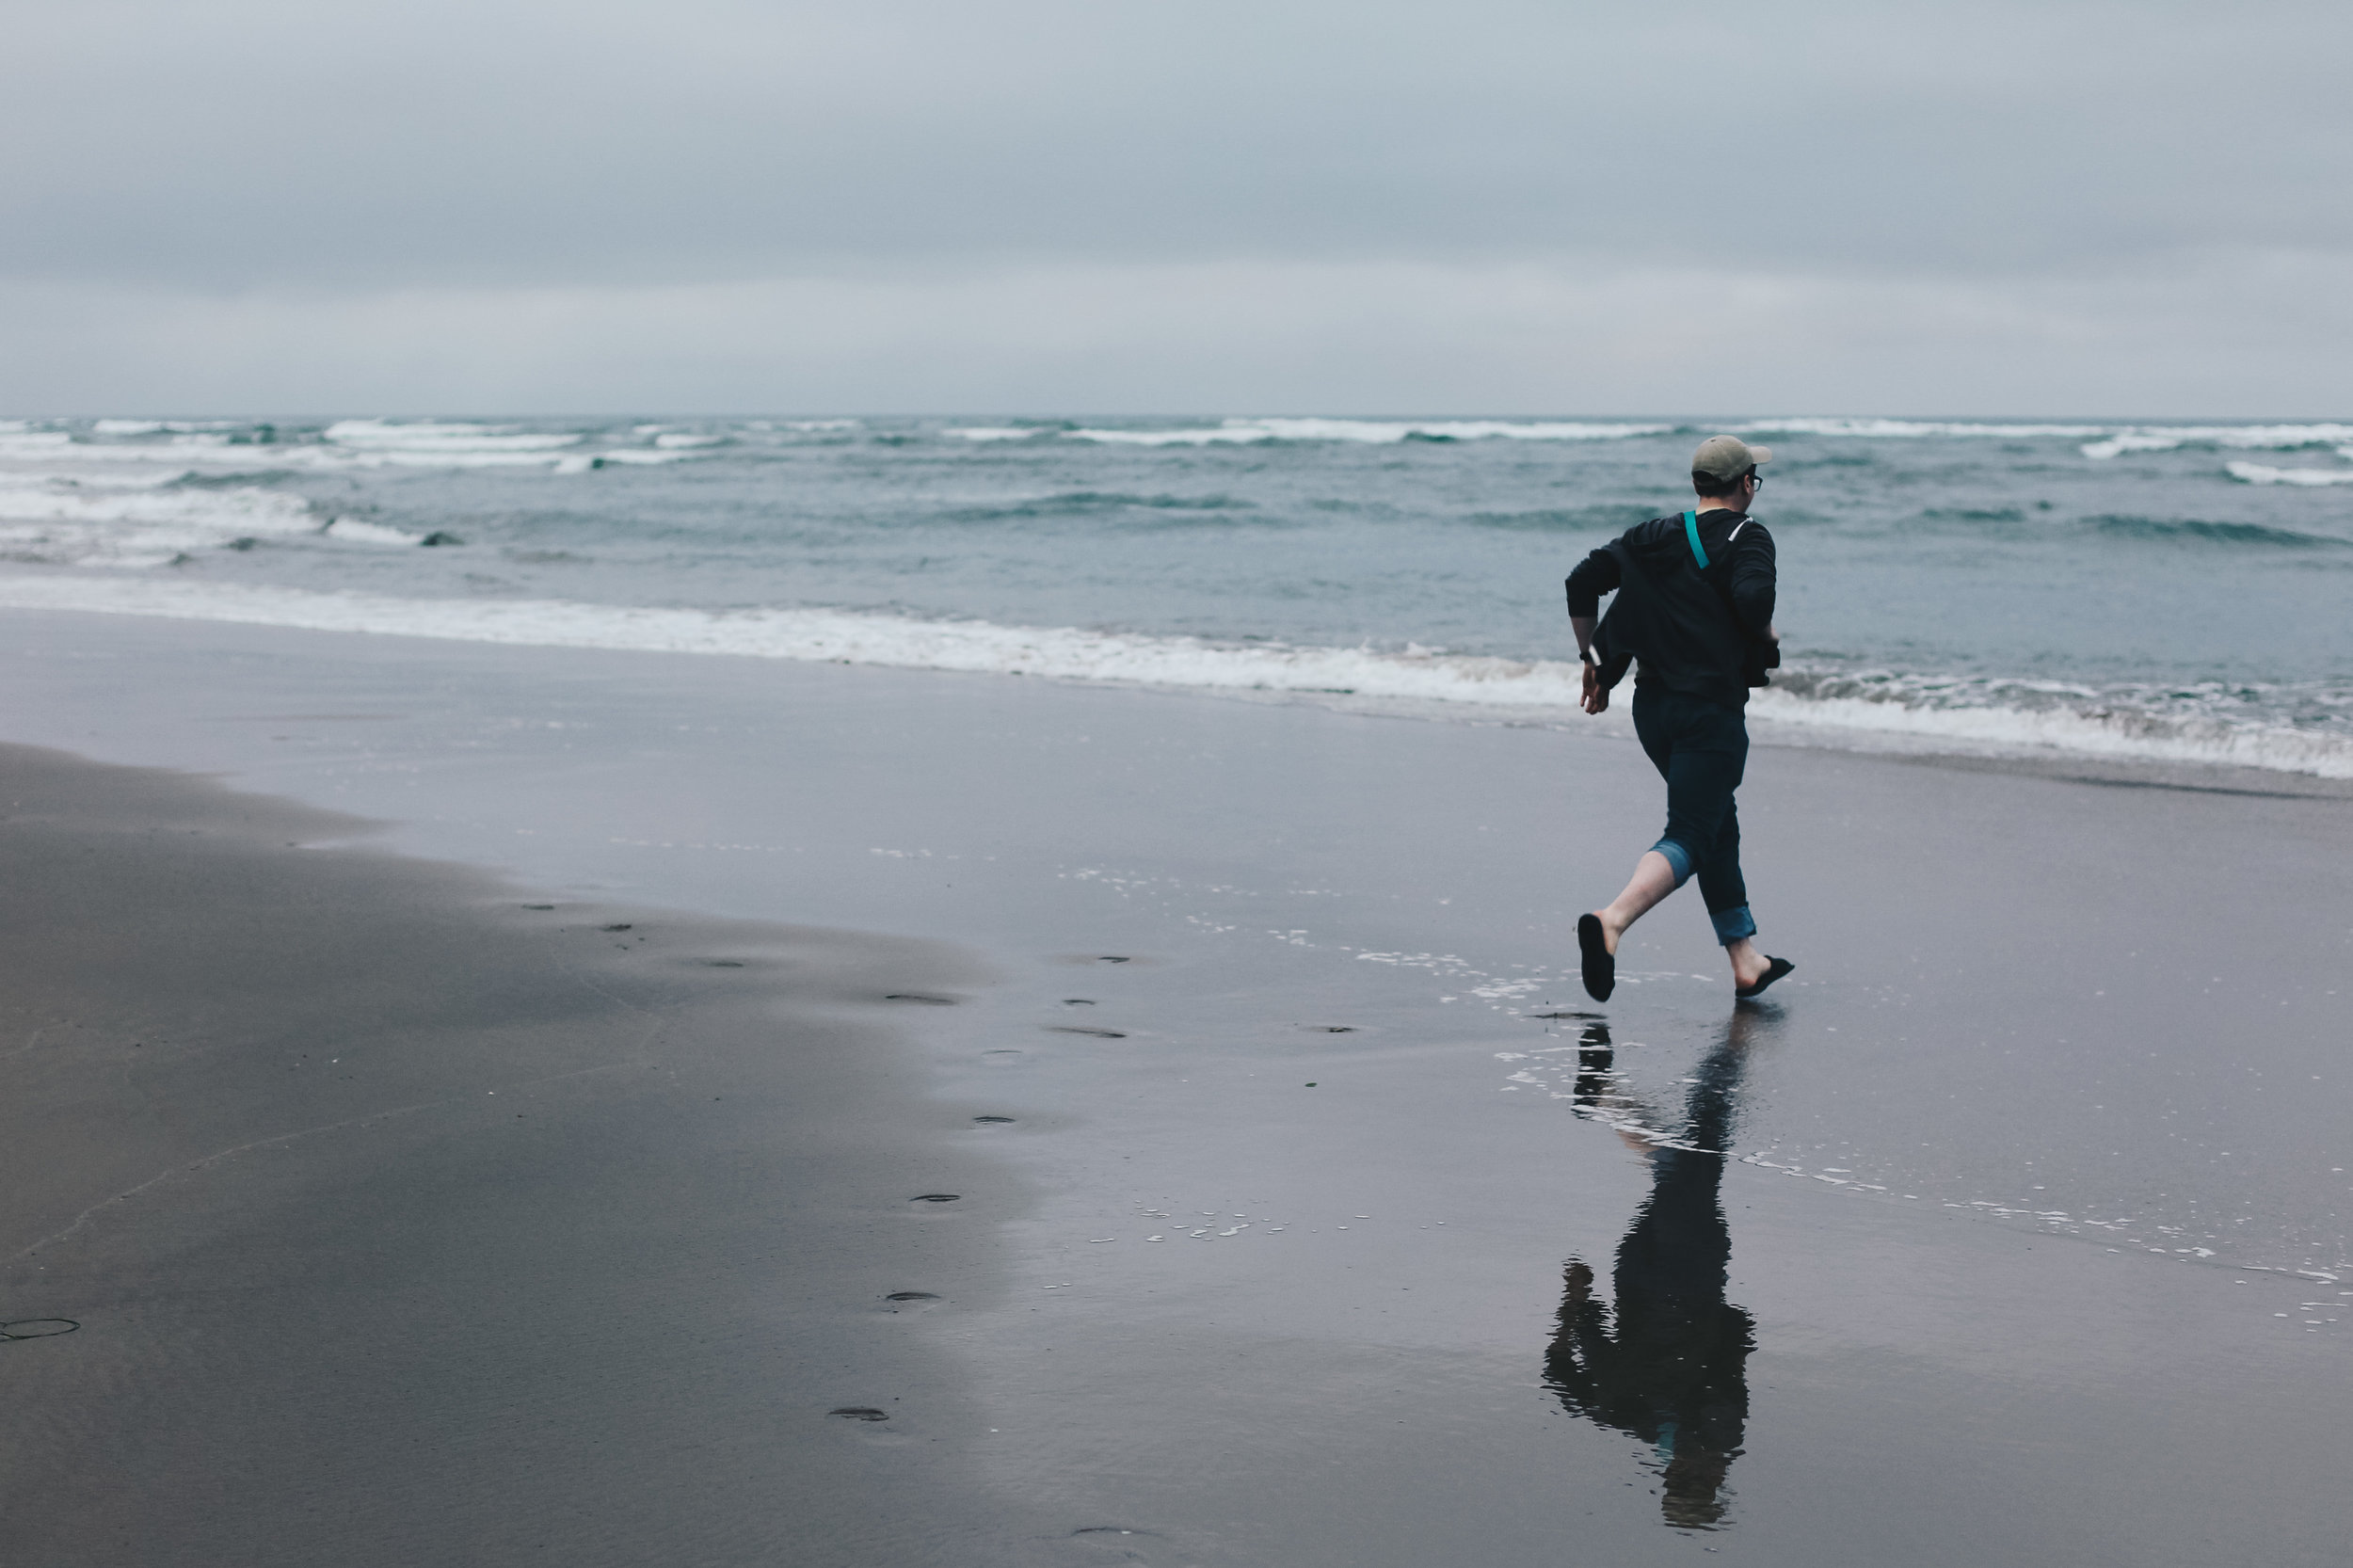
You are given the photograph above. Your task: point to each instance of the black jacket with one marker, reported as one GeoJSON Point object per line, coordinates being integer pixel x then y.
{"type": "Point", "coordinates": [1693, 631]}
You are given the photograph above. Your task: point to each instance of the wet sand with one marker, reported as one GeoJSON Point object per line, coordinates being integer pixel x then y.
{"type": "Point", "coordinates": [2001, 1263]}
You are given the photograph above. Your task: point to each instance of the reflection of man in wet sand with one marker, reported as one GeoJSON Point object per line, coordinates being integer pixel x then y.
{"type": "Point", "coordinates": [1673, 1367]}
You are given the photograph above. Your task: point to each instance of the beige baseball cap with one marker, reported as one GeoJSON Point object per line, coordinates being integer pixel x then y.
{"type": "Point", "coordinates": [1728, 456]}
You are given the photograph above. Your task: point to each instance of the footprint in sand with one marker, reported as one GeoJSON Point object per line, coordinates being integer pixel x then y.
{"type": "Point", "coordinates": [1141, 1549]}
{"type": "Point", "coordinates": [37, 1328]}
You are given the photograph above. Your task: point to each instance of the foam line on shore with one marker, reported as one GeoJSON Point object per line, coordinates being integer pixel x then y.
{"type": "Point", "coordinates": [2095, 729]}
{"type": "Point", "coordinates": [1986, 715]}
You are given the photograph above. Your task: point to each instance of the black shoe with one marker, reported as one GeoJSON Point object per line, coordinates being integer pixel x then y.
{"type": "Point", "coordinates": [1601, 970]}
{"type": "Point", "coordinates": [1749, 993]}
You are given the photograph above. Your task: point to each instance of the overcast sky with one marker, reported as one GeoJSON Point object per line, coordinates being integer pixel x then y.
{"type": "Point", "coordinates": [1176, 205]}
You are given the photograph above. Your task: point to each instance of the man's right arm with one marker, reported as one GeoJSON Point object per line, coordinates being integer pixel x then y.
{"type": "Point", "coordinates": [1596, 575]}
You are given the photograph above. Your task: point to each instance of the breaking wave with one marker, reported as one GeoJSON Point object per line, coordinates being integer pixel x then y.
{"type": "Point", "coordinates": [2263, 473]}
{"type": "Point", "coordinates": [2243, 438]}
{"type": "Point", "coordinates": [437, 436]}
{"type": "Point", "coordinates": [2236, 725]}
{"type": "Point", "coordinates": [218, 447]}
{"type": "Point", "coordinates": [140, 520]}
{"type": "Point", "coordinates": [1914, 429]}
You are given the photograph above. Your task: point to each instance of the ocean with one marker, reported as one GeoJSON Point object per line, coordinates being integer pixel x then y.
{"type": "Point", "coordinates": [2163, 593]}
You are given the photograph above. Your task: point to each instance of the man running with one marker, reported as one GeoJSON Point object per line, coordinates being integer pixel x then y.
{"type": "Point", "coordinates": [1695, 609]}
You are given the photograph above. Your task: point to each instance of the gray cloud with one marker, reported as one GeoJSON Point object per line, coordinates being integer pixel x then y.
{"type": "Point", "coordinates": [243, 143]}
{"type": "Point", "coordinates": [275, 162]}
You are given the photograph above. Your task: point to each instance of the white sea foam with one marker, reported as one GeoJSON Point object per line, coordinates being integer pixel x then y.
{"type": "Point", "coordinates": [2168, 438]}
{"type": "Point", "coordinates": [1913, 429]}
{"type": "Point", "coordinates": [2112, 440]}
{"type": "Point", "coordinates": [90, 481]}
{"type": "Point", "coordinates": [1371, 432]}
{"type": "Point", "coordinates": [995, 433]}
{"type": "Point", "coordinates": [154, 426]}
{"type": "Point", "coordinates": [1234, 432]}
{"type": "Point", "coordinates": [349, 444]}
{"type": "Point", "coordinates": [381, 443]}
{"type": "Point", "coordinates": [2116, 446]}
{"type": "Point", "coordinates": [134, 521]}
{"type": "Point", "coordinates": [356, 532]}
{"type": "Point", "coordinates": [2090, 727]}
{"type": "Point", "coordinates": [2047, 719]}
{"type": "Point", "coordinates": [377, 435]}
{"type": "Point", "coordinates": [50, 446]}
{"type": "Point", "coordinates": [2259, 473]}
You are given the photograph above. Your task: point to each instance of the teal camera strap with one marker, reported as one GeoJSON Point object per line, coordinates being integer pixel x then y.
{"type": "Point", "coordinates": [1692, 532]}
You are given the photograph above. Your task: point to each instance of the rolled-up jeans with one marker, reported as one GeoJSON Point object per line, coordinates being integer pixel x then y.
{"type": "Point", "coordinates": [1701, 748]}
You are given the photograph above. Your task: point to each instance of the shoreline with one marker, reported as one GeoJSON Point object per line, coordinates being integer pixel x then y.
{"type": "Point", "coordinates": [2114, 734]}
